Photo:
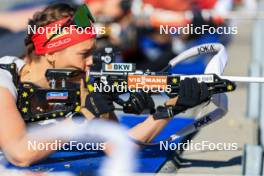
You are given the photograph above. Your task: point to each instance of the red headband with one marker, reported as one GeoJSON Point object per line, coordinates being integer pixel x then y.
{"type": "Point", "coordinates": [70, 36]}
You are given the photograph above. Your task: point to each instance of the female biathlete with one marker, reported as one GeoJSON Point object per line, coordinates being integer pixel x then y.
{"type": "Point", "coordinates": [67, 50]}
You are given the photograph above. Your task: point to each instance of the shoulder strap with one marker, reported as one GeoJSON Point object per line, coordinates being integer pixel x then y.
{"type": "Point", "coordinates": [12, 68]}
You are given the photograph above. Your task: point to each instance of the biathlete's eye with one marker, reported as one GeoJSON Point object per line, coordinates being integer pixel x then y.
{"type": "Point", "coordinates": [87, 53]}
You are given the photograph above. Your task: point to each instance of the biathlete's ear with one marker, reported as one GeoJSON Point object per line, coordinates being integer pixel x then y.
{"type": "Point", "coordinates": [51, 58]}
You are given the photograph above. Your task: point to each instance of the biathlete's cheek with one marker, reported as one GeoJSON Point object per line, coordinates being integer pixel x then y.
{"type": "Point", "coordinates": [79, 63]}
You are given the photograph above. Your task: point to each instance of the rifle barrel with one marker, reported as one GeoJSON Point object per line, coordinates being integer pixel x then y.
{"type": "Point", "coordinates": [244, 79]}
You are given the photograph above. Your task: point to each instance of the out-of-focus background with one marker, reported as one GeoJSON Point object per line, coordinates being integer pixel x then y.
{"type": "Point", "coordinates": [133, 28]}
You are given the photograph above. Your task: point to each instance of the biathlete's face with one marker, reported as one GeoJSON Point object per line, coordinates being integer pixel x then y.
{"type": "Point", "coordinates": [78, 56]}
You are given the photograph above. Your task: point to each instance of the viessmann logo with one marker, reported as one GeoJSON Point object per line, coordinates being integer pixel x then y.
{"type": "Point", "coordinates": [135, 83]}
{"type": "Point", "coordinates": [151, 81]}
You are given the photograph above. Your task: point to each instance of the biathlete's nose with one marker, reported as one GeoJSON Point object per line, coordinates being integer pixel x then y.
{"type": "Point", "coordinates": [89, 61]}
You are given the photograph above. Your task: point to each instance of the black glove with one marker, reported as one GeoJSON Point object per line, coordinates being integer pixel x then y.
{"type": "Point", "coordinates": [99, 103]}
{"type": "Point", "coordinates": [138, 102]}
{"type": "Point", "coordinates": [191, 94]}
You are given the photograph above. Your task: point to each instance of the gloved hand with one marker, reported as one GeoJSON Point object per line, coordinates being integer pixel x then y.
{"type": "Point", "coordinates": [138, 102]}
{"type": "Point", "coordinates": [191, 94]}
{"type": "Point", "coordinates": [99, 103]}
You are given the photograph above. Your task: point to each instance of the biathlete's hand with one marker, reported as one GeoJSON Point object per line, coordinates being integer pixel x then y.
{"type": "Point", "coordinates": [95, 104]}
{"type": "Point", "coordinates": [191, 94]}
{"type": "Point", "coordinates": [99, 103]}
{"type": "Point", "coordinates": [138, 102]}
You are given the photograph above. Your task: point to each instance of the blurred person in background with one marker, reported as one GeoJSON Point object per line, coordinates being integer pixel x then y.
{"type": "Point", "coordinates": [147, 47]}
{"type": "Point", "coordinates": [139, 38]}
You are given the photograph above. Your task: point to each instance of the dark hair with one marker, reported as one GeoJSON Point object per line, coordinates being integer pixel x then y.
{"type": "Point", "coordinates": [49, 15]}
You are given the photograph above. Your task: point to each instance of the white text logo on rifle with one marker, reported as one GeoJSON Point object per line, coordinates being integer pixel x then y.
{"type": "Point", "coordinates": [200, 78]}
